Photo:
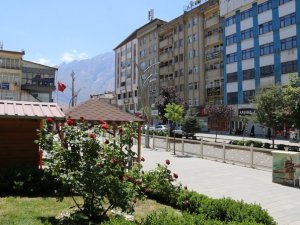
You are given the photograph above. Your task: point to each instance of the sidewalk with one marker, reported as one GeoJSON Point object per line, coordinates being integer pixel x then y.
{"type": "Point", "coordinates": [226, 138]}
{"type": "Point", "coordinates": [220, 180]}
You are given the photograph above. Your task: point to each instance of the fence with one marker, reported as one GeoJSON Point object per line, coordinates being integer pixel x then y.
{"type": "Point", "coordinates": [241, 155]}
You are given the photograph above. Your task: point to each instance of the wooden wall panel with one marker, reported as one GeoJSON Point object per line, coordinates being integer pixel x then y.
{"type": "Point", "coordinates": [17, 147]}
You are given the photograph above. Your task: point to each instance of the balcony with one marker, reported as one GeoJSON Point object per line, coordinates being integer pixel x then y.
{"type": "Point", "coordinates": [212, 39]}
{"type": "Point", "coordinates": [42, 84]}
{"type": "Point", "coordinates": [166, 69]}
{"type": "Point", "coordinates": [212, 21]}
{"type": "Point", "coordinates": [164, 56]}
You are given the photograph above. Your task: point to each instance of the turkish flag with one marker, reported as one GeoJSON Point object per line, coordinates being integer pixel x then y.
{"type": "Point", "coordinates": [61, 87]}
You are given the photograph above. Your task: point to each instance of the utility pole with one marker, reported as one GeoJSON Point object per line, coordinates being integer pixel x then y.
{"type": "Point", "coordinates": [73, 91]}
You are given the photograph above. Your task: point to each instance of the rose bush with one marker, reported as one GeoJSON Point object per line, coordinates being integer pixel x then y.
{"type": "Point", "coordinates": [93, 167]}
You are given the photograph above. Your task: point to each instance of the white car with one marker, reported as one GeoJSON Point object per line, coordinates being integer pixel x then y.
{"type": "Point", "coordinates": [151, 128]}
{"type": "Point", "coordinates": [162, 128]}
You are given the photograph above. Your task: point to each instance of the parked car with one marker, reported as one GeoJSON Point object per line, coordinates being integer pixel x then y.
{"type": "Point", "coordinates": [164, 128]}
{"type": "Point", "coordinates": [178, 132]}
{"type": "Point", "coordinates": [151, 128]}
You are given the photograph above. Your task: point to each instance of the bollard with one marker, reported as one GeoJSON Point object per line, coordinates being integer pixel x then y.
{"type": "Point", "coordinates": [182, 145]}
{"type": "Point", "coordinates": [224, 152]}
{"type": "Point", "coordinates": [153, 142]}
{"type": "Point", "coordinates": [201, 148]}
{"type": "Point", "coordinates": [251, 156]}
{"type": "Point", "coordinates": [167, 144]}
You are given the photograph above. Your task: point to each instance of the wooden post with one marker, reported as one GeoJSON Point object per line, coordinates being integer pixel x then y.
{"type": "Point", "coordinates": [139, 143]}
{"type": "Point", "coordinates": [182, 145]}
{"type": "Point", "coordinates": [251, 156]}
{"type": "Point", "coordinates": [153, 141]}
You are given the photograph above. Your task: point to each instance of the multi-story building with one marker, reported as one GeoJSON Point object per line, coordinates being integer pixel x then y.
{"type": "Point", "coordinates": [190, 55]}
{"type": "Point", "coordinates": [24, 80]}
{"type": "Point", "coordinates": [133, 56]}
{"type": "Point", "coordinates": [261, 47]}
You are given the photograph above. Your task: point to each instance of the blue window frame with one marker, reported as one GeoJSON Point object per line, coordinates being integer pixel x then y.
{"type": "Point", "coordinates": [289, 67]}
{"type": "Point", "coordinates": [248, 74]}
{"type": "Point", "coordinates": [281, 2]}
{"type": "Point", "coordinates": [246, 14]}
{"type": "Point", "coordinates": [230, 21]}
{"type": "Point", "coordinates": [264, 6]}
{"type": "Point", "coordinates": [266, 49]}
{"type": "Point", "coordinates": [265, 27]}
{"type": "Point", "coordinates": [248, 95]}
{"type": "Point", "coordinates": [247, 53]}
{"type": "Point", "coordinates": [231, 39]}
{"type": "Point", "coordinates": [287, 20]}
{"type": "Point", "coordinates": [232, 77]}
{"type": "Point", "coordinates": [232, 98]}
{"type": "Point", "coordinates": [246, 34]}
{"type": "Point", "coordinates": [266, 71]}
{"type": "Point", "coordinates": [288, 43]}
{"type": "Point", "coordinates": [231, 58]}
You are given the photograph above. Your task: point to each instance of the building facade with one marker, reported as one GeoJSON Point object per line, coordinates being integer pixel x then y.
{"type": "Point", "coordinates": [137, 53]}
{"type": "Point", "coordinates": [261, 47]}
{"type": "Point", "coordinates": [21, 80]}
{"type": "Point", "coordinates": [190, 55]}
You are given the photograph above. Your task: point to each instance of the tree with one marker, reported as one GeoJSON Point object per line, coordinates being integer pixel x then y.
{"type": "Point", "coordinates": [174, 113]}
{"type": "Point", "coordinates": [278, 105]}
{"type": "Point", "coordinates": [167, 95]}
{"type": "Point", "coordinates": [219, 116]}
{"type": "Point", "coordinates": [95, 169]}
{"type": "Point", "coordinates": [191, 125]}
{"type": "Point", "coordinates": [270, 109]}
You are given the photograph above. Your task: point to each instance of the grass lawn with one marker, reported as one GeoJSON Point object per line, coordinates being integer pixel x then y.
{"type": "Point", "coordinates": [24, 210]}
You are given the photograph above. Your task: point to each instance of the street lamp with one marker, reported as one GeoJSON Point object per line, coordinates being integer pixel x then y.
{"type": "Point", "coordinates": [142, 84]}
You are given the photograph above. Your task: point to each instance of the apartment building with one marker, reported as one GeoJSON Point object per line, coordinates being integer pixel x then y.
{"type": "Point", "coordinates": [22, 80]}
{"type": "Point", "coordinates": [261, 47]}
{"type": "Point", "coordinates": [190, 55]}
{"type": "Point", "coordinates": [134, 58]}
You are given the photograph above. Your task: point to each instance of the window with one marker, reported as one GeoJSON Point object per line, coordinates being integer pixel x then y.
{"type": "Point", "coordinates": [266, 71]}
{"type": "Point", "coordinates": [181, 72]}
{"type": "Point", "coordinates": [245, 34]}
{"type": "Point", "coordinates": [247, 53]}
{"type": "Point", "coordinates": [289, 67]}
{"type": "Point", "coordinates": [119, 96]}
{"type": "Point", "coordinates": [231, 77]}
{"type": "Point", "coordinates": [232, 98]}
{"type": "Point", "coordinates": [196, 85]}
{"type": "Point", "coordinates": [281, 2]}
{"type": "Point", "coordinates": [135, 93]}
{"type": "Point", "coordinates": [180, 42]}
{"type": "Point", "coordinates": [142, 53]}
{"type": "Point", "coordinates": [246, 14]}
{"type": "Point", "coordinates": [288, 43]}
{"type": "Point", "coordinates": [264, 6]}
{"type": "Point", "coordinates": [231, 39]}
{"type": "Point", "coordinates": [248, 95]}
{"type": "Point", "coordinates": [231, 58]}
{"type": "Point", "coordinates": [248, 74]}
{"type": "Point", "coordinates": [180, 57]}
{"type": "Point", "coordinates": [124, 95]}
{"type": "Point", "coordinates": [129, 94]}
{"type": "Point", "coordinates": [287, 20]}
{"type": "Point", "coordinates": [230, 20]}
{"type": "Point", "coordinates": [181, 87]}
{"type": "Point", "coordinates": [266, 27]}
{"type": "Point", "coordinates": [266, 49]}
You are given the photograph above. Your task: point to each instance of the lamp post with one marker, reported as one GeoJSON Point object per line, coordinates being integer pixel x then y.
{"type": "Point", "coordinates": [142, 85]}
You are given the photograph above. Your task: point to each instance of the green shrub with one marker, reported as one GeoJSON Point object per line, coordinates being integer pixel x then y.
{"type": "Point", "coordinates": [27, 181]}
{"type": "Point", "coordinates": [280, 146]}
{"type": "Point", "coordinates": [234, 142]}
{"type": "Point", "coordinates": [257, 144]}
{"type": "Point", "coordinates": [118, 221]}
{"type": "Point", "coordinates": [241, 142]}
{"type": "Point", "coordinates": [267, 145]}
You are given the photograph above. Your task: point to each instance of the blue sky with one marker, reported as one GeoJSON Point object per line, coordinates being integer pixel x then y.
{"type": "Point", "coordinates": [54, 31]}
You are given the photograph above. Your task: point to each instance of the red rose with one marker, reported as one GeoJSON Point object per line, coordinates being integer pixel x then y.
{"type": "Point", "coordinates": [102, 122]}
{"type": "Point", "coordinates": [121, 130]}
{"type": "Point", "coordinates": [168, 162]}
{"type": "Point", "coordinates": [114, 161]}
{"type": "Point", "coordinates": [175, 175]}
{"type": "Point", "coordinates": [121, 178]}
{"type": "Point", "coordinates": [50, 120]}
{"type": "Point", "coordinates": [147, 190]}
{"type": "Point", "coordinates": [69, 117]}
{"type": "Point", "coordinates": [70, 122]}
{"type": "Point", "coordinates": [82, 118]}
{"type": "Point", "coordinates": [143, 159]}
{"type": "Point", "coordinates": [106, 142]}
{"type": "Point", "coordinates": [104, 126]}
{"type": "Point", "coordinates": [93, 136]}
{"type": "Point", "coordinates": [129, 177]}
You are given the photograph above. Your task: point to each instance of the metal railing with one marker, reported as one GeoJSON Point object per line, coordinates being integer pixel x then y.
{"type": "Point", "coordinates": [252, 157]}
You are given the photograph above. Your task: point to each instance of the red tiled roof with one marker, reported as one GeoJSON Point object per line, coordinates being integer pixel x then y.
{"type": "Point", "coordinates": [30, 110]}
{"type": "Point", "coordinates": [99, 109]}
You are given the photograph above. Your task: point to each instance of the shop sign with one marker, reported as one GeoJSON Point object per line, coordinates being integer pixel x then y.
{"type": "Point", "coordinates": [5, 86]}
{"type": "Point", "coordinates": [246, 111]}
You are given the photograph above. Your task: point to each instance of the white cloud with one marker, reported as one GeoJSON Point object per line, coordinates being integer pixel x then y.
{"type": "Point", "coordinates": [43, 61]}
{"type": "Point", "coordinates": [73, 55]}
